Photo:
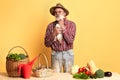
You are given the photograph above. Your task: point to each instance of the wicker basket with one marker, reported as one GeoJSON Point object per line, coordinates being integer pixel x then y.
{"type": "Point", "coordinates": [12, 65]}
{"type": "Point", "coordinates": [43, 72]}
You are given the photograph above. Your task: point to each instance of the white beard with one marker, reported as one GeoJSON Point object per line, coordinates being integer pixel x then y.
{"type": "Point", "coordinates": [61, 17]}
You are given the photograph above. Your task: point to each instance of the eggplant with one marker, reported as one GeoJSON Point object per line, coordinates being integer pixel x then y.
{"type": "Point", "coordinates": [108, 74]}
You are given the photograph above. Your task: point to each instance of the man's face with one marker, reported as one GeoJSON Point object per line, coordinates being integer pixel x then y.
{"type": "Point", "coordinates": [59, 11]}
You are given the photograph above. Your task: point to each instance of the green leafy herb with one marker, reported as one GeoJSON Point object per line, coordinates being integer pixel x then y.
{"type": "Point", "coordinates": [81, 76]}
{"type": "Point", "coordinates": [16, 56]}
{"type": "Point", "coordinates": [22, 56]}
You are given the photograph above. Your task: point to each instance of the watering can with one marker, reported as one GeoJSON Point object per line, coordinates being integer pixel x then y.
{"type": "Point", "coordinates": [25, 69]}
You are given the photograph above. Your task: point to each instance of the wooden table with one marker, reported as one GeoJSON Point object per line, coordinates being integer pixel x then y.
{"type": "Point", "coordinates": [57, 76]}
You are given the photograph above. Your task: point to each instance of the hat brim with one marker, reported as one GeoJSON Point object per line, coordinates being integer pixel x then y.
{"type": "Point", "coordinates": [52, 10]}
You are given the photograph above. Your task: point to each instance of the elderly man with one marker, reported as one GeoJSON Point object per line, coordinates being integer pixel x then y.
{"type": "Point", "coordinates": [59, 36]}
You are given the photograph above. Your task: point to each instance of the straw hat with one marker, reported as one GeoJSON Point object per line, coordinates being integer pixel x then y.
{"type": "Point", "coordinates": [58, 5]}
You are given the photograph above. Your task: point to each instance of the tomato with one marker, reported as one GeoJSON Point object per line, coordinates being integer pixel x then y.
{"type": "Point", "coordinates": [80, 70]}
{"type": "Point", "coordinates": [84, 69]}
{"type": "Point", "coordinates": [87, 72]}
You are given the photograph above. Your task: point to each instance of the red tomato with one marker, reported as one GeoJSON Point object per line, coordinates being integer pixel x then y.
{"type": "Point", "coordinates": [87, 72]}
{"type": "Point", "coordinates": [80, 70]}
{"type": "Point", "coordinates": [84, 69]}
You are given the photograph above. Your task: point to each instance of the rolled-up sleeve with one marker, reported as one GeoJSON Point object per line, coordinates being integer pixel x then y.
{"type": "Point", "coordinates": [69, 34]}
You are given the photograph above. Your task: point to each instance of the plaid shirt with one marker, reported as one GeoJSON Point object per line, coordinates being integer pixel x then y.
{"type": "Point", "coordinates": [68, 37]}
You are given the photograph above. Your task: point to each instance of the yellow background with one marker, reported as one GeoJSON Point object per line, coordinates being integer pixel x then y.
{"type": "Point", "coordinates": [23, 23]}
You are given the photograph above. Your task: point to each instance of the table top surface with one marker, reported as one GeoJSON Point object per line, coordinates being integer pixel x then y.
{"type": "Point", "coordinates": [57, 76]}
